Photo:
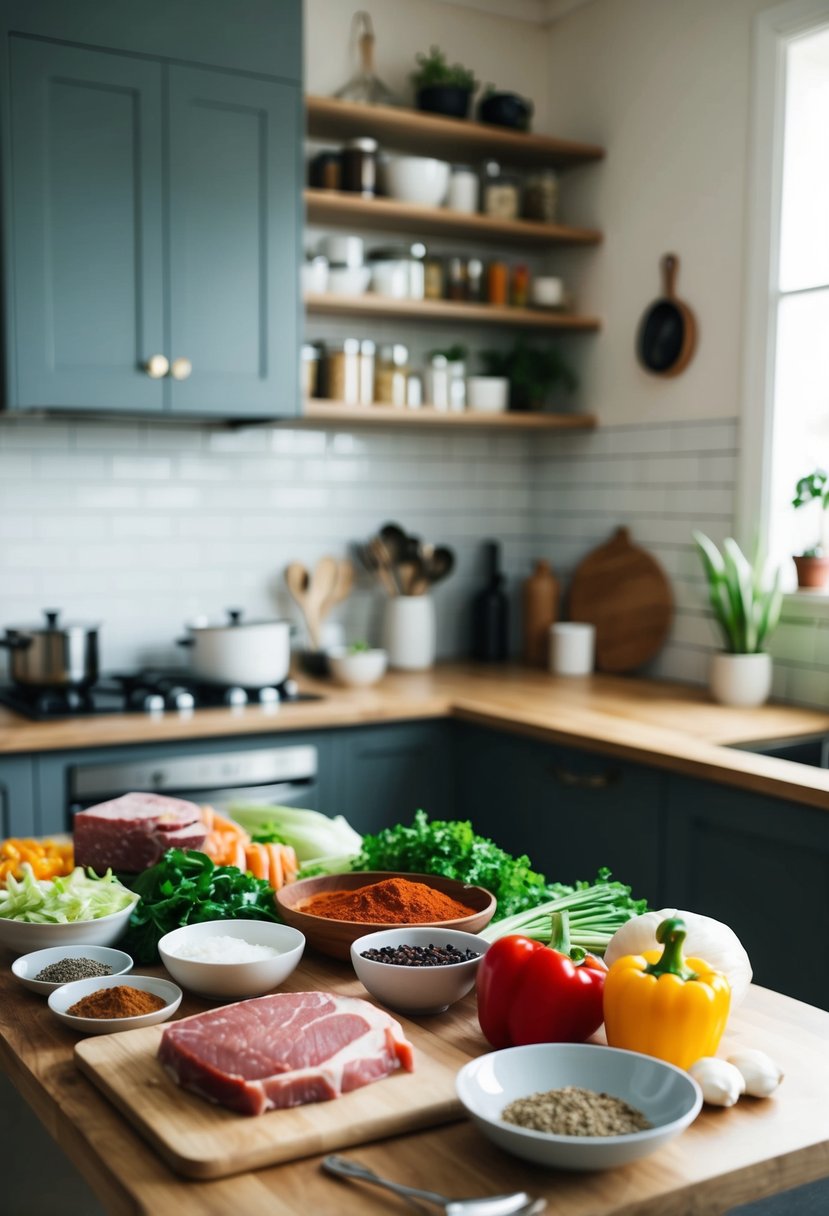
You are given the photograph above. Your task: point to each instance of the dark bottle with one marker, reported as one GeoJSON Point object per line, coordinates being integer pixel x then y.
{"type": "Point", "coordinates": [490, 612]}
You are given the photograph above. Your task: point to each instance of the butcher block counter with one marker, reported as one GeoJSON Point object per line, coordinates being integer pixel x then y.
{"type": "Point", "coordinates": [726, 1157]}
{"type": "Point", "coordinates": [668, 726]}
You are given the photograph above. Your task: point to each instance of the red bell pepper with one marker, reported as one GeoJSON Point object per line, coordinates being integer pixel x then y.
{"type": "Point", "coordinates": [532, 993]}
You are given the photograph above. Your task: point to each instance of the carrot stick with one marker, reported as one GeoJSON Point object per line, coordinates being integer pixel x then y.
{"type": "Point", "coordinates": [276, 876]}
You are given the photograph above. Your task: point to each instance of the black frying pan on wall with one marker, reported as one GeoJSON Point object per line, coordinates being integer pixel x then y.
{"type": "Point", "coordinates": [668, 331]}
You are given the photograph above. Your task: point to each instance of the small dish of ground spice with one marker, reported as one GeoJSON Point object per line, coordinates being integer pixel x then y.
{"type": "Point", "coordinates": [44, 971]}
{"type": "Point", "coordinates": [335, 909]}
{"type": "Point", "coordinates": [103, 1004]}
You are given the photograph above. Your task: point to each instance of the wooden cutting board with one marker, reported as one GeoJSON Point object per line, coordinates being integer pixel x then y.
{"type": "Point", "coordinates": [625, 593]}
{"type": "Point", "coordinates": [201, 1140]}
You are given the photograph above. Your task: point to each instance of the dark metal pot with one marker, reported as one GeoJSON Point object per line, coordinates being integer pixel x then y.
{"type": "Point", "coordinates": [52, 655]}
{"type": "Point", "coordinates": [448, 99]}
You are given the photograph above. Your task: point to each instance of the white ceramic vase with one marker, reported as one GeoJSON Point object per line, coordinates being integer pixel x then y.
{"type": "Point", "coordinates": [409, 632]}
{"type": "Point", "coordinates": [740, 679]}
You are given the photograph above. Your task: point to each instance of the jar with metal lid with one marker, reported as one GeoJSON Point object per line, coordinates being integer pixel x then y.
{"type": "Point", "coordinates": [359, 173]}
{"type": "Point", "coordinates": [500, 194]}
{"type": "Point", "coordinates": [342, 372]}
{"type": "Point", "coordinates": [310, 370]}
{"type": "Point", "coordinates": [325, 170]}
{"type": "Point", "coordinates": [397, 271]}
{"type": "Point", "coordinates": [456, 279]}
{"type": "Point", "coordinates": [475, 280]}
{"type": "Point", "coordinates": [391, 375]}
{"type": "Point", "coordinates": [541, 196]}
{"type": "Point", "coordinates": [434, 277]}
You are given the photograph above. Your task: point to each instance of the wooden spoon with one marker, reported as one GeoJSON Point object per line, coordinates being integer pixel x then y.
{"type": "Point", "coordinates": [343, 584]}
{"type": "Point", "coordinates": [320, 588]}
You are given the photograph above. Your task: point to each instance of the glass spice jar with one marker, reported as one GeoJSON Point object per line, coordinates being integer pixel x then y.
{"type": "Point", "coordinates": [310, 369]}
{"type": "Point", "coordinates": [475, 280]}
{"type": "Point", "coordinates": [434, 277]}
{"type": "Point", "coordinates": [367, 356]}
{"type": "Point", "coordinates": [325, 171]}
{"type": "Point", "coordinates": [359, 172]}
{"type": "Point", "coordinates": [519, 287]}
{"type": "Point", "coordinates": [499, 193]}
{"type": "Point", "coordinates": [541, 196]}
{"type": "Point", "coordinates": [391, 375]}
{"type": "Point", "coordinates": [342, 372]}
{"type": "Point", "coordinates": [497, 283]}
{"type": "Point", "coordinates": [456, 279]}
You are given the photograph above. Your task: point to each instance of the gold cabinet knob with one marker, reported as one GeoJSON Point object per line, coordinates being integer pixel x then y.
{"type": "Point", "coordinates": [181, 369]}
{"type": "Point", "coordinates": [157, 366]}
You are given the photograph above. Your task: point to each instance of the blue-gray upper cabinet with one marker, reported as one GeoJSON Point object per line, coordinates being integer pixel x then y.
{"type": "Point", "coordinates": [235, 224]}
{"type": "Point", "coordinates": [84, 280]}
{"type": "Point", "coordinates": [18, 812]}
{"type": "Point", "coordinates": [154, 215]}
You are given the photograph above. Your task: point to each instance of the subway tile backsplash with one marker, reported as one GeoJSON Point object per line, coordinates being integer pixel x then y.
{"type": "Point", "coordinates": [143, 525]}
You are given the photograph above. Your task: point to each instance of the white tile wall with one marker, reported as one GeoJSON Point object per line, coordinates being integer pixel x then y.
{"type": "Point", "coordinates": [143, 525]}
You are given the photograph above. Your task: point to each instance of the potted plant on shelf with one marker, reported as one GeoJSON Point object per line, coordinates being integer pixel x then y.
{"type": "Point", "coordinates": [533, 372]}
{"type": "Point", "coordinates": [813, 564]}
{"type": "Point", "coordinates": [441, 87]}
{"type": "Point", "coordinates": [746, 598]}
{"type": "Point", "coordinates": [505, 109]}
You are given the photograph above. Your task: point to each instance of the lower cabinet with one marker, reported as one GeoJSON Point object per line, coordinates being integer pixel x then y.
{"type": "Point", "coordinates": [761, 865]}
{"type": "Point", "coordinates": [18, 811]}
{"type": "Point", "coordinates": [570, 811]}
{"type": "Point", "coordinates": [383, 774]}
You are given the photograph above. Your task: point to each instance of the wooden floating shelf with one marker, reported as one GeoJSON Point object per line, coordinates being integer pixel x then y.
{"type": "Point", "coordinates": [447, 310]}
{"type": "Point", "coordinates": [450, 138]}
{"type": "Point", "coordinates": [339, 207]}
{"type": "Point", "coordinates": [337, 412]}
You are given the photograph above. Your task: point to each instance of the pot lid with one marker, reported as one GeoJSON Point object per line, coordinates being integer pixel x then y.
{"type": "Point", "coordinates": [53, 624]}
{"type": "Point", "coordinates": [235, 620]}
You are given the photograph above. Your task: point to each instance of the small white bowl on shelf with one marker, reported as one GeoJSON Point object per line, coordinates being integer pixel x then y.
{"type": "Point", "coordinates": [348, 280]}
{"type": "Point", "coordinates": [665, 1095]}
{"type": "Point", "coordinates": [67, 995]}
{"type": "Point", "coordinates": [232, 980]}
{"type": "Point", "coordinates": [487, 394]}
{"type": "Point", "coordinates": [416, 179]}
{"type": "Point", "coordinates": [28, 966]}
{"type": "Point", "coordinates": [357, 669]}
{"type": "Point", "coordinates": [420, 991]}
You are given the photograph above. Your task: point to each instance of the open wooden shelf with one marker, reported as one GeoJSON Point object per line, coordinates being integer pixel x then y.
{"type": "Point", "coordinates": [448, 138]}
{"type": "Point", "coordinates": [328, 412]}
{"type": "Point", "coordinates": [338, 207]}
{"type": "Point", "coordinates": [448, 310]}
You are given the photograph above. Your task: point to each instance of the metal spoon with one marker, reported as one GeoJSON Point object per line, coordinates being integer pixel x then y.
{"type": "Point", "coordinates": [518, 1204]}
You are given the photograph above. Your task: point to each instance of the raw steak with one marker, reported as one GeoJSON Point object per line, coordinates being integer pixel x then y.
{"type": "Point", "coordinates": [284, 1050]}
{"type": "Point", "coordinates": [132, 832]}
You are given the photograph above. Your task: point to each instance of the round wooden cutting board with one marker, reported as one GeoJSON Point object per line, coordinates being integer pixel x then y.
{"type": "Point", "coordinates": [625, 593]}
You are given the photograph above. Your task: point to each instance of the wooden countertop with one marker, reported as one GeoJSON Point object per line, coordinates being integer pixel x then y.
{"type": "Point", "coordinates": [672, 726]}
{"type": "Point", "coordinates": [726, 1157]}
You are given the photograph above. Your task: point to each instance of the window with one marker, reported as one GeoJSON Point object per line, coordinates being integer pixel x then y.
{"type": "Point", "coordinates": [786, 415]}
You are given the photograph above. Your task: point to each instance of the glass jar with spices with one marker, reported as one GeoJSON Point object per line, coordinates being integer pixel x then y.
{"type": "Point", "coordinates": [359, 171]}
{"type": "Point", "coordinates": [342, 372]}
{"type": "Point", "coordinates": [519, 287]}
{"type": "Point", "coordinates": [391, 375]}
{"type": "Point", "coordinates": [499, 193]}
{"type": "Point", "coordinates": [310, 369]}
{"type": "Point", "coordinates": [497, 283]}
{"type": "Point", "coordinates": [434, 277]}
{"type": "Point", "coordinates": [475, 280]}
{"type": "Point", "coordinates": [325, 170]}
{"type": "Point", "coordinates": [367, 356]}
{"type": "Point", "coordinates": [456, 279]}
{"type": "Point", "coordinates": [541, 196]}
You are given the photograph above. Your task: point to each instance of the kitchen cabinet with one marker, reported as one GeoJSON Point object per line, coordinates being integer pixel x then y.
{"type": "Point", "coordinates": [569, 811]}
{"type": "Point", "coordinates": [152, 216]}
{"type": "Point", "coordinates": [761, 865]}
{"type": "Point", "coordinates": [17, 796]}
{"type": "Point", "coordinates": [383, 774]}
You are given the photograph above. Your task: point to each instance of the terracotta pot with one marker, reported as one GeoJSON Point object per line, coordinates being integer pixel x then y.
{"type": "Point", "coordinates": [812, 571]}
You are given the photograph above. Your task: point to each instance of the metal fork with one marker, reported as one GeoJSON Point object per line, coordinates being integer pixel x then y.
{"type": "Point", "coordinates": [517, 1204]}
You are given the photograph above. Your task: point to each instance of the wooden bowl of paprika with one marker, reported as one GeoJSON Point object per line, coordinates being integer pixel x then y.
{"type": "Point", "coordinates": [335, 909]}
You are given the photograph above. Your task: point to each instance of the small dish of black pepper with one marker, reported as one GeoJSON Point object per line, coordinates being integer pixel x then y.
{"type": "Point", "coordinates": [43, 971]}
{"type": "Point", "coordinates": [418, 969]}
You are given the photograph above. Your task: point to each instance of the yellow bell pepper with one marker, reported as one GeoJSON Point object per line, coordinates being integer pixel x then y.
{"type": "Point", "coordinates": [664, 1005]}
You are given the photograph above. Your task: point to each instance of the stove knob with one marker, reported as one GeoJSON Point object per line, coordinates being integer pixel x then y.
{"type": "Point", "coordinates": [153, 703]}
{"type": "Point", "coordinates": [236, 696]}
{"type": "Point", "coordinates": [268, 696]}
{"type": "Point", "coordinates": [290, 690]}
{"type": "Point", "coordinates": [182, 699]}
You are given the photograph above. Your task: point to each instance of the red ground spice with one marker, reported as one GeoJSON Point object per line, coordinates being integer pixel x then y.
{"type": "Point", "coordinates": [394, 901]}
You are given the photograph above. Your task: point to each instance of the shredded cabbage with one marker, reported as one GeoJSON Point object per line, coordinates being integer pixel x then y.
{"type": "Point", "coordinates": [77, 896]}
{"type": "Point", "coordinates": [312, 834]}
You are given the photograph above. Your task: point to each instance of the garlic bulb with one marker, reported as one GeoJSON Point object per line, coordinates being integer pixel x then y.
{"type": "Point", "coordinates": [721, 1083]}
{"type": "Point", "coordinates": [759, 1071]}
{"type": "Point", "coordinates": [707, 939]}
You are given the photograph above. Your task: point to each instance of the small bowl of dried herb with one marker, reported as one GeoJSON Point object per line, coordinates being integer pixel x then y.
{"type": "Point", "coordinates": [45, 970]}
{"type": "Point", "coordinates": [577, 1106]}
{"type": "Point", "coordinates": [115, 1002]}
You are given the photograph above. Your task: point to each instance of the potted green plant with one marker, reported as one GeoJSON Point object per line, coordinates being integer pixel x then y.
{"type": "Point", "coordinates": [746, 598]}
{"type": "Point", "coordinates": [533, 372]}
{"type": "Point", "coordinates": [441, 87]}
{"type": "Point", "coordinates": [813, 564]}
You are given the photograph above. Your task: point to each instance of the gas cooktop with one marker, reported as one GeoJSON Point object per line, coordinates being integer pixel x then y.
{"type": "Point", "coordinates": [150, 691]}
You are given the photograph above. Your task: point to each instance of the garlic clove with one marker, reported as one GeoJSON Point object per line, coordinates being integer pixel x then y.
{"type": "Point", "coordinates": [759, 1071]}
{"type": "Point", "coordinates": [721, 1083]}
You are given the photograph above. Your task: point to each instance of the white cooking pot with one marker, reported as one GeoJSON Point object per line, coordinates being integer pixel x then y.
{"type": "Point", "coordinates": [250, 654]}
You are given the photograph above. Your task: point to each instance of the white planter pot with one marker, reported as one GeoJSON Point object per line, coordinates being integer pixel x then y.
{"type": "Point", "coordinates": [409, 632]}
{"type": "Point", "coordinates": [740, 679]}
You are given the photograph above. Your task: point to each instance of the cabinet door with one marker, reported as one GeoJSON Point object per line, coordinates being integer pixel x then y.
{"type": "Point", "coordinates": [84, 289]}
{"type": "Point", "coordinates": [17, 797]}
{"type": "Point", "coordinates": [571, 812]}
{"type": "Point", "coordinates": [234, 243]}
{"type": "Point", "coordinates": [761, 865]}
{"type": "Point", "coordinates": [386, 773]}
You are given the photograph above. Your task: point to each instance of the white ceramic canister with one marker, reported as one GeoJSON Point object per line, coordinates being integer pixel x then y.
{"type": "Point", "coordinates": [464, 189]}
{"type": "Point", "coordinates": [572, 648]}
{"type": "Point", "coordinates": [409, 632]}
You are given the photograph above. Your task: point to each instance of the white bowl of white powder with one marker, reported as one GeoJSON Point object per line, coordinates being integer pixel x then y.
{"type": "Point", "coordinates": [229, 959]}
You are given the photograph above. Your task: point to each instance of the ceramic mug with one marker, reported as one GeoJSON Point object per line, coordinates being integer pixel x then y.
{"type": "Point", "coordinates": [409, 632]}
{"type": "Point", "coordinates": [572, 647]}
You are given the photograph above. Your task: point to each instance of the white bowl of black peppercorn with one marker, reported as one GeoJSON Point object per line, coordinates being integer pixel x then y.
{"type": "Point", "coordinates": [418, 970]}
{"type": "Point", "coordinates": [68, 963]}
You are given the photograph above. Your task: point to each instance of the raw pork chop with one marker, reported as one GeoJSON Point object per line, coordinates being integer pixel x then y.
{"type": "Point", "coordinates": [284, 1050]}
{"type": "Point", "coordinates": [132, 833]}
